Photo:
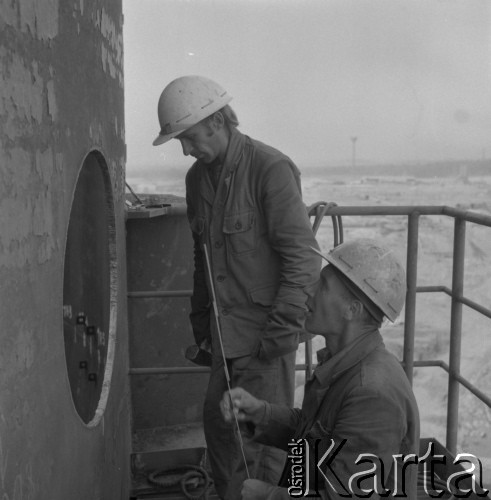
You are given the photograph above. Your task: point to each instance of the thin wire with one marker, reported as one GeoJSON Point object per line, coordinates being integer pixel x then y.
{"type": "Point", "coordinates": [227, 375]}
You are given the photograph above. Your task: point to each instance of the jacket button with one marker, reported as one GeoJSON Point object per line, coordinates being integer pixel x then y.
{"type": "Point", "coordinates": [238, 225]}
{"type": "Point", "coordinates": [218, 244]}
{"type": "Point", "coordinates": [225, 312]}
{"type": "Point", "coordinates": [220, 278]}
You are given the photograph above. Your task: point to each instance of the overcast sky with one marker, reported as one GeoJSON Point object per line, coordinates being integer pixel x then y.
{"type": "Point", "coordinates": [410, 79]}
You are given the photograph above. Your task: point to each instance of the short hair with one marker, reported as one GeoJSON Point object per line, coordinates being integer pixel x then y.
{"type": "Point", "coordinates": [230, 116]}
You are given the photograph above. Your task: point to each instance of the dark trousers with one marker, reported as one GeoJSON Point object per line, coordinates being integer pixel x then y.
{"type": "Point", "coordinates": [273, 381]}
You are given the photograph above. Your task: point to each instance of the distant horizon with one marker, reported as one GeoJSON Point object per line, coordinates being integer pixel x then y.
{"type": "Point", "coordinates": [359, 164]}
{"type": "Point", "coordinates": [172, 180]}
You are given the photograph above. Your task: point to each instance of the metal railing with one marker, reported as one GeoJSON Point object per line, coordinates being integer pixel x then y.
{"type": "Point", "coordinates": [458, 300]}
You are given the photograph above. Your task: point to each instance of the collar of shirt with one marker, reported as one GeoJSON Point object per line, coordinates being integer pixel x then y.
{"type": "Point", "coordinates": [331, 366]}
{"type": "Point", "coordinates": [232, 159]}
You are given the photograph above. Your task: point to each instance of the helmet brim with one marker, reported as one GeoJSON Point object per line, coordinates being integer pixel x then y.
{"type": "Point", "coordinates": [319, 253]}
{"type": "Point", "coordinates": [163, 138]}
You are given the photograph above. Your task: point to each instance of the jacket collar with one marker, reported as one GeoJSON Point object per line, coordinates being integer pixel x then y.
{"type": "Point", "coordinates": [233, 156]}
{"type": "Point", "coordinates": [331, 367]}
{"type": "Point", "coordinates": [235, 150]}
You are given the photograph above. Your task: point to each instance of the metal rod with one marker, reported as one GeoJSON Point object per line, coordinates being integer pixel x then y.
{"type": "Point", "coordinates": [438, 363]}
{"type": "Point", "coordinates": [477, 392]}
{"type": "Point", "coordinates": [308, 359]}
{"type": "Point", "coordinates": [412, 276]}
{"type": "Point", "coordinates": [482, 219]}
{"type": "Point", "coordinates": [477, 218]}
{"type": "Point", "coordinates": [463, 300]}
{"type": "Point", "coordinates": [169, 370]}
{"type": "Point", "coordinates": [436, 288]}
{"type": "Point", "coordinates": [160, 293]}
{"type": "Point", "coordinates": [473, 305]}
{"type": "Point", "coordinates": [187, 370]}
{"type": "Point", "coordinates": [472, 388]}
{"type": "Point", "coordinates": [455, 335]}
{"type": "Point", "coordinates": [183, 370]}
{"type": "Point", "coordinates": [225, 367]}
{"type": "Point", "coordinates": [387, 210]}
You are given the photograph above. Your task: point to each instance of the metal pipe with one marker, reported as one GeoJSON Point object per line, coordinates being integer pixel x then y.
{"type": "Point", "coordinates": [470, 387]}
{"type": "Point", "coordinates": [455, 335]}
{"type": "Point", "coordinates": [473, 305]}
{"type": "Point", "coordinates": [160, 293]}
{"type": "Point", "coordinates": [436, 288]}
{"type": "Point", "coordinates": [463, 300]}
{"type": "Point", "coordinates": [169, 370]}
{"type": "Point", "coordinates": [308, 359]}
{"type": "Point", "coordinates": [482, 219]}
{"type": "Point", "coordinates": [432, 362]}
{"type": "Point", "coordinates": [477, 392]}
{"type": "Point", "coordinates": [477, 218]}
{"type": "Point", "coordinates": [411, 278]}
{"type": "Point", "coordinates": [182, 370]}
{"type": "Point", "coordinates": [388, 210]}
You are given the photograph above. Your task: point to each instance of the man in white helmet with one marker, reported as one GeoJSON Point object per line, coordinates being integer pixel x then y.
{"type": "Point", "coordinates": [358, 403]}
{"type": "Point", "coordinates": [245, 207]}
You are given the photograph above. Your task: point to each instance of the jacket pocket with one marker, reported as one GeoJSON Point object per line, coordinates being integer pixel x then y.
{"type": "Point", "coordinates": [240, 231]}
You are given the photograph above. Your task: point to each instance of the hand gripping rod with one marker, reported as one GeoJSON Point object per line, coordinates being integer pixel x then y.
{"type": "Point", "coordinates": [225, 367]}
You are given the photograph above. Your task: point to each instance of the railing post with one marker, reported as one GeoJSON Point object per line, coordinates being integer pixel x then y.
{"type": "Point", "coordinates": [411, 277]}
{"type": "Point", "coordinates": [455, 334]}
{"type": "Point", "coordinates": [308, 359]}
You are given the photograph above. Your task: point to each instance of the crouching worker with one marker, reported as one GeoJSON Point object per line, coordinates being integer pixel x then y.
{"type": "Point", "coordinates": [359, 424]}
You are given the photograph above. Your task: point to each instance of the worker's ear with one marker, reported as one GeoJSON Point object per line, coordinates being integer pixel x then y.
{"type": "Point", "coordinates": [217, 121]}
{"type": "Point", "coordinates": [354, 310]}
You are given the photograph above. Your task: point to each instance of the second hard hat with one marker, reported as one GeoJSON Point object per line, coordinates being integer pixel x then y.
{"type": "Point", "coordinates": [185, 102]}
{"type": "Point", "coordinates": [375, 270]}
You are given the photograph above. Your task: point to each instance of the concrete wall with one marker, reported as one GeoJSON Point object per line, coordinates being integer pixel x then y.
{"type": "Point", "coordinates": [61, 97]}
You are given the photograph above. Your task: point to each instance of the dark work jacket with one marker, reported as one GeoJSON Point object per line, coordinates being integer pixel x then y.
{"type": "Point", "coordinates": [361, 395]}
{"type": "Point", "coordinates": [258, 237]}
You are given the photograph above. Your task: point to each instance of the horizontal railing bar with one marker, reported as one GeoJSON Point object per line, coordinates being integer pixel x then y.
{"type": "Point", "coordinates": [386, 210]}
{"type": "Point", "coordinates": [173, 370]}
{"type": "Point", "coordinates": [160, 293]}
{"type": "Point", "coordinates": [479, 394]}
{"type": "Point", "coordinates": [420, 289]}
{"type": "Point", "coordinates": [473, 305]}
{"type": "Point", "coordinates": [482, 219]}
{"type": "Point", "coordinates": [432, 362]}
{"type": "Point", "coordinates": [474, 217]}
{"type": "Point", "coordinates": [435, 288]}
{"type": "Point", "coordinates": [182, 370]}
{"type": "Point", "coordinates": [463, 300]}
{"type": "Point", "coordinates": [169, 370]}
{"type": "Point", "coordinates": [441, 364]}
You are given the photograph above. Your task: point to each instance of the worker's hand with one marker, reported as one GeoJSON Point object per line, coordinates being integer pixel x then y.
{"type": "Point", "coordinates": [246, 407]}
{"type": "Point", "coordinates": [253, 489]}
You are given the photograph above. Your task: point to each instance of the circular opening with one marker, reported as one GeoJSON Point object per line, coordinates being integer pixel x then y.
{"type": "Point", "coordinates": [90, 290]}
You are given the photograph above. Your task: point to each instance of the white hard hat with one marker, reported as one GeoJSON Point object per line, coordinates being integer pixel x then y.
{"type": "Point", "coordinates": [185, 102]}
{"type": "Point", "coordinates": [375, 270]}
